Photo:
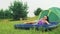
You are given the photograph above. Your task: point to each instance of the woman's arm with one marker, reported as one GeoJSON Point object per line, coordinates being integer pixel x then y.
{"type": "Point", "coordinates": [46, 22]}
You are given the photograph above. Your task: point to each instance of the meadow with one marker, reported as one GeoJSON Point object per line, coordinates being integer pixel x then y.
{"type": "Point", "coordinates": [7, 27]}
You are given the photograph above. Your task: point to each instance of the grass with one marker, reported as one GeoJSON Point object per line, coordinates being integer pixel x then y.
{"type": "Point", "coordinates": [7, 27]}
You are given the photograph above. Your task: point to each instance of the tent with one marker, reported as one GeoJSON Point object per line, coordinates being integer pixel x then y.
{"type": "Point", "coordinates": [53, 14]}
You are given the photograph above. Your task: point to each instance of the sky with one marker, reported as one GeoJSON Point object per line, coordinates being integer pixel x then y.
{"type": "Point", "coordinates": [32, 5]}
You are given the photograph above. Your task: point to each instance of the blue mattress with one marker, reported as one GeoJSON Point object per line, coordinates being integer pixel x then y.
{"type": "Point", "coordinates": [51, 25]}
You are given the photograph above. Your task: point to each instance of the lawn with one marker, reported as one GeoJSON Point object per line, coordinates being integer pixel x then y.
{"type": "Point", "coordinates": [7, 27]}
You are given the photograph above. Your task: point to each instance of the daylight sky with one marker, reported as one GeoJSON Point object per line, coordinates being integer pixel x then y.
{"type": "Point", "coordinates": [32, 4]}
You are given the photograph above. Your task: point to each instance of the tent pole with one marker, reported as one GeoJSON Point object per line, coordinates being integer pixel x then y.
{"type": "Point", "coordinates": [49, 12]}
{"type": "Point", "coordinates": [39, 15]}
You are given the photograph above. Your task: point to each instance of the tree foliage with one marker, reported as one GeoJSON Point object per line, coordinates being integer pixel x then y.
{"type": "Point", "coordinates": [4, 14]}
{"type": "Point", "coordinates": [1, 14]}
{"type": "Point", "coordinates": [8, 14]}
{"type": "Point", "coordinates": [37, 11]}
{"type": "Point", "coordinates": [19, 10]}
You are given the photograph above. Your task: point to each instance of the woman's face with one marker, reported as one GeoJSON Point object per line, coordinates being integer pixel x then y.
{"type": "Point", "coordinates": [45, 17]}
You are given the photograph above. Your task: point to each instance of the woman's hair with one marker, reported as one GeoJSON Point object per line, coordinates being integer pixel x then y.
{"type": "Point", "coordinates": [47, 18]}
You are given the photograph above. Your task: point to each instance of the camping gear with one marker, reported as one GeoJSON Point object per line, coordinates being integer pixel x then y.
{"type": "Point", "coordinates": [28, 26]}
{"type": "Point", "coordinates": [54, 19]}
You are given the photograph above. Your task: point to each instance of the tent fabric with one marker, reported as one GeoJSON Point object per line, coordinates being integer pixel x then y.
{"type": "Point", "coordinates": [53, 14]}
{"type": "Point", "coordinates": [43, 13]}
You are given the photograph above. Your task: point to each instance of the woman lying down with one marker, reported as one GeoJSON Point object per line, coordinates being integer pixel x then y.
{"type": "Point", "coordinates": [43, 20]}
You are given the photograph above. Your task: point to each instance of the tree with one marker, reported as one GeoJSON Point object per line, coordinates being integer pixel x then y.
{"type": "Point", "coordinates": [19, 10]}
{"type": "Point", "coordinates": [1, 14]}
{"type": "Point", "coordinates": [38, 10]}
{"type": "Point", "coordinates": [7, 14]}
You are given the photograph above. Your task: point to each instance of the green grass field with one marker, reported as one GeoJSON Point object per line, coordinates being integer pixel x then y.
{"type": "Point", "coordinates": [7, 27]}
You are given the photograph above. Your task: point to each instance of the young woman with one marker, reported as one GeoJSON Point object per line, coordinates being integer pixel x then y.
{"type": "Point", "coordinates": [41, 21]}
{"type": "Point", "coordinates": [44, 20]}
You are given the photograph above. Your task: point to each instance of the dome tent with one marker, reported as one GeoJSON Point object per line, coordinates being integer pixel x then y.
{"type": "Point", "coordinates": [53, 14]}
